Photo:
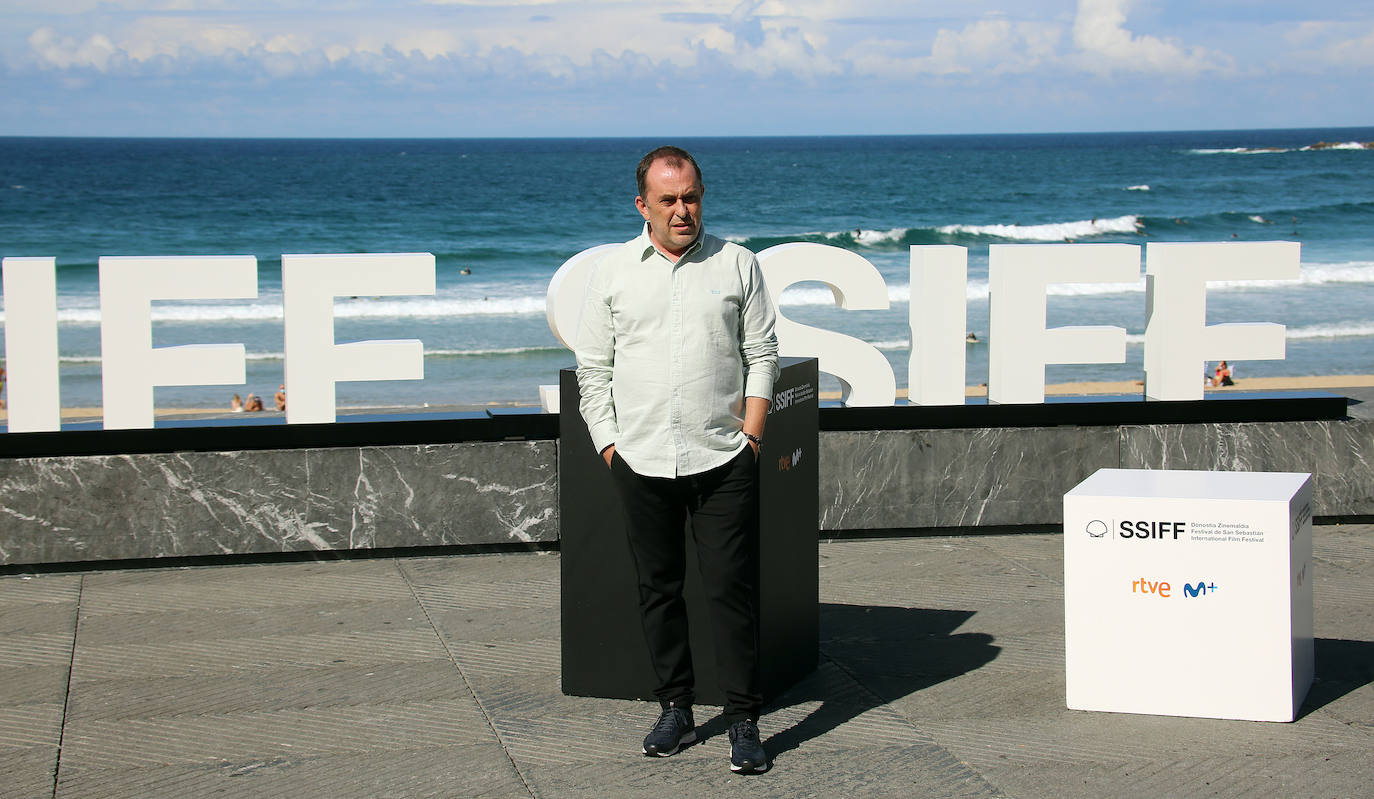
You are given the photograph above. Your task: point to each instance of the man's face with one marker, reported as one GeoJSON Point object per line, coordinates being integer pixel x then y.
{"type": "Point", "coordinates": [672, 205]}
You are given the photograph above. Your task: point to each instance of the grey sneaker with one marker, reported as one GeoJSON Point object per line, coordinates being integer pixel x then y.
{"type": "Point", "coordinates": [746, 753]}
{"type": "Point", "coordinates": [673, 730]}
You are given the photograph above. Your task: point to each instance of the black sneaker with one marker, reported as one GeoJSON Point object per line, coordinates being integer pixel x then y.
{"type": "Point", "coordinates": [673, 730]}
{"type": "Point", "coordinates": [746, 753]}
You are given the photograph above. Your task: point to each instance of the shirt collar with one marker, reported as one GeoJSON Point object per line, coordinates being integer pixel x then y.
{"type": "Point", "coordinates": [647, 247]}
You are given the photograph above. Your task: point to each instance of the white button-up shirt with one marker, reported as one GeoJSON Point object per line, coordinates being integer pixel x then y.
{"type": "Point", "coordinates": [667, 352]}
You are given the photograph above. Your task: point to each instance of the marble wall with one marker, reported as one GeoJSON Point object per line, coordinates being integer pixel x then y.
{"type": "Point", "coordinates": [1339, 454]}
{"type": "Point", "coordinates": [79, 508]}
{"type": "Point", "coordinates": [190, 503]}
{"type": "Point", "coordinates": [900, 479]}
{"type": "Point", "coordinates": [883, 479]}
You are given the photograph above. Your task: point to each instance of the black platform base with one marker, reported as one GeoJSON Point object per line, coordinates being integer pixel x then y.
{"type": "Point", "coordinates": [604, 653]}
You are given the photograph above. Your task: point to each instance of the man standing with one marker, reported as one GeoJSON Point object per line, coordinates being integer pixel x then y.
{"type": "Point", "coordinates": [676, 359]}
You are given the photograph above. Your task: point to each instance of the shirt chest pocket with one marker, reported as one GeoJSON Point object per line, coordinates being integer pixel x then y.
{"type": "Point", "coordinates": [717, 313]}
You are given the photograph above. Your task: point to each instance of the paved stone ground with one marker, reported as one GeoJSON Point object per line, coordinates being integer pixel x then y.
{"type": "Point", "coordinates": [941, 676]}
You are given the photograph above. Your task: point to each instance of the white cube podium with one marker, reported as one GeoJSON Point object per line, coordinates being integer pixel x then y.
{"type": "Point", "coordinates": [1189, 593]}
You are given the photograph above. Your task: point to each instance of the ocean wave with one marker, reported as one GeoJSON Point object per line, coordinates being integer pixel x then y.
{"type": "Point", "coordinates": [1358, 329]}
{"type": "Point", "coordinates": [893, 238]}
{"type": "Point", "coordinates": [807, 293]}
{"type": "Point", "coordinates": [380, 308]}
{"type": "Point", "coordinates": [1241, 151]}
{"type": "Point", "coordinates": [1356, 272]}
{"type": "Point", "coordinates": [1334, 330]}
{"type": "Point", "coordinates": [443, 353]}
{"type": "Point", "coordinates": [1343, 145]}
{"type": "Point", "coordinates": [1321, 145]}
{"type": "Point", "coordinates": [1054, 231]}
{"type": "Point", "coordinates": [499, 351]}
{"type": "Point", "coordinates": [1353, 329]}
{"type": "Point", "coordinates": [871, 238]}
{"type": "Point", "coordinates": [1141, 187]}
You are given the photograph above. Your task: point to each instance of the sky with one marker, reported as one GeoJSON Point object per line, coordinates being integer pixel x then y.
{"type": "Point", "coordinates": [463, 68]}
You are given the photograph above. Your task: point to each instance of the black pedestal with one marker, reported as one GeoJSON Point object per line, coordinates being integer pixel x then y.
{"type": "Point", "coordinates": [603, 644]}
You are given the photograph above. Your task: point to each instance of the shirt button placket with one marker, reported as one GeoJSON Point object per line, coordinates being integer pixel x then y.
{"type": "Point", "coordinates": [675, 375]}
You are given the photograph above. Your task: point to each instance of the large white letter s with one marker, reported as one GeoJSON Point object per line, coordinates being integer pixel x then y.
{"type": "Point", "coordinates": [865, 376]}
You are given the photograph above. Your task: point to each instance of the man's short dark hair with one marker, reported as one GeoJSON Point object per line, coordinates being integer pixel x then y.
{"type": "Point", "coordinates": [674, 156]}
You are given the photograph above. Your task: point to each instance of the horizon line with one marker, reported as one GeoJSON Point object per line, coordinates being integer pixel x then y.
{"type": "Point", "coordinates": [681, 137]}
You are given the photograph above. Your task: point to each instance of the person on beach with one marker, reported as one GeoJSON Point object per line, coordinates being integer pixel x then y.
{"type": "Point", "coordinates": [254, 403]}
{"type": "Point", "coordinates": [676, 359]}
{"type": "Point", "coordinates": [1222, 377]}
{"type": "Point", "coordinates": [236, 404]}
{"type": "Point", "coordinates": [280, 397]}
{"type": "Point", "coordinates": [2, 388]}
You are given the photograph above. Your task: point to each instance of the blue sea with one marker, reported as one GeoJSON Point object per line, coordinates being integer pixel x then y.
{"type": "Point", "coordinates": [502, 215]}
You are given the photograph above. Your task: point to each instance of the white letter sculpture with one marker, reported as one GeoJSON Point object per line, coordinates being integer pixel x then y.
{"type": "Point", "coordinates": [130, 365]}
{"type": "Point", "coordinates": [31, 344]}
{"type": "Point", "coordinates": [567, 292]}
{"type": "Point", "coordinates": [314, 363]}
{"type": "Point", "coordinates": [1178, 340]}
{"type": "Point", "coordinates": [939, 319]}
{"type": "Point", "coordinates": [865, 376]}
{"type": "Point", "coordinates": [563, 303]}
{"type": "Point", "coordinates": [1020, 345]}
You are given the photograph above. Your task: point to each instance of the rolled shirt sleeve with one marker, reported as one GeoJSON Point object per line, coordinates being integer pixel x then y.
{"type": "Point", "coordinates": [758, 341]}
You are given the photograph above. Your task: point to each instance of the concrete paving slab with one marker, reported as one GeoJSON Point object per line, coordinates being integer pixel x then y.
{"type": "Point", "coordinates": [480, 771]}
{"type": "Point", "coordinates": [266, 690]}
{"type": "Point", "coordinates": [941, 674]}
{"type": "Point", "coordinates": [28, 771]}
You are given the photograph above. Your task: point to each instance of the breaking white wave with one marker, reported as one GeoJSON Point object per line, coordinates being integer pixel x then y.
{"type": "Point", "coordinates": [1355, 329]}
{"type": "Point", "coordinates": [874, 237]}
{"type": "Point", "coordinates": [442, 353]}
{"type": "Point", "coordinates": [379, 308]}
{"type": "Point", "coordinates": [1333, 330]}
{"type": "Point", "coordinates": [803, 294]}
{"type": "Point", "coordinates": [893, 344]}
{"type": "Point", "coordinates": [1345, 145]}
{"type": "Point", "coordinates": [1053, 231]}
{"type": "Point", "coordinates": [1141, 187]}
{"type": "Point", "coordinates": [1242, 151]}
{"type": "Point", "coordinates": [1356, 272]}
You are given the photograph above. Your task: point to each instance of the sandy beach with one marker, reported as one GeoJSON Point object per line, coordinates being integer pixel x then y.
{"type": "Point", "coordinates": [1310, 383]}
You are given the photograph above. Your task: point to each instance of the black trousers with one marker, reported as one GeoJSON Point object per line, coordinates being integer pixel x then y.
{"type": "Point", "coordinates": [723, 507]}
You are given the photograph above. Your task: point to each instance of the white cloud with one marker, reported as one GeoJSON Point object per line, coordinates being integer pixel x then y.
{"type": "Point", "coordinates": [570, 41]}
{"type": "Point", "coordinates": [1106, 46]}
{"type": "Point", "coordinates": [1322, 45]}
{"type": "Point", "coordinates": [521, 54]}
{"type": "Point", "coordinates": [65, 52]}
{"type": "Point", "coordinates": [993, 46]}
